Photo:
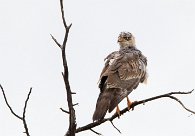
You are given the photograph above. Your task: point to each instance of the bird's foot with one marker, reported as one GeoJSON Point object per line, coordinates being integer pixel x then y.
{"type": "Point", "coordinates": [118, 111]}
{"type": "Point", "coordinates": [129, 103]}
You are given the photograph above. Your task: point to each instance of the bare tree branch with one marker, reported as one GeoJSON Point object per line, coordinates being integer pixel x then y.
{"type": "Point", "coordinates": [23, 118]}
{"type": "Point", "coordinates": [57, 43]}
{"type": "Point", "coordinates": [67, 28]}
{"type": "Point", "coordinates": [168, 95]}
{"type": "Point", "coordinates": [10, 108]}
{"type": "Point", "coordinates": [64, 111]}
{"type": "Point", "coordinates": [95, 132]}
{"type": "Point", "coordinates": [75, 104]}
{"type": "Point", "coordinates": [65, 74]}
{"type": "Point", "coordinates": [62, 11]}
{"type": "Point", "coordinates": [24, 113]}
{"type": "Point", "coordinates": [173, 97]}
{"type": "Point", "coordinates": [115, 127]}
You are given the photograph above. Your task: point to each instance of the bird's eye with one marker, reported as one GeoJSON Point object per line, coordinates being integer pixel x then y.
{"type": "Point", "coordinates": [126, 38]}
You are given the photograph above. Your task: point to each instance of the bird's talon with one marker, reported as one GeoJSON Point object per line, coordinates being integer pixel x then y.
{"type": "Point", "coordinates": [132, 105]}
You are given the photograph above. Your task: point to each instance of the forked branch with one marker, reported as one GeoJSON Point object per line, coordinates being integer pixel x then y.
{"type": "Point", "coordinates": [65, 74]}
{"type": "Point", "coordinates": [6, 101]}
{"type": "Point", "coordinates": [23, 117]}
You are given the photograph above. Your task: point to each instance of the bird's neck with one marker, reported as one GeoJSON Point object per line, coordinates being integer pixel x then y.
{"type": "Point", "coordinates": [126, 47]}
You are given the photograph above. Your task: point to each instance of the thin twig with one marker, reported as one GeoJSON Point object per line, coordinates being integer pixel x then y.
{"type": "Point", "coordinates": [172, 97]}
{"type": "Point", "coordinates": [62, 11]}
{"type": "Point", "coordinates": [64, 111]}
{"type": "Point", "coordinates": [10, 108]}
{"type": "Point", "coordinates": [67, 28]}
{"type": "Point", "coordinates": [66, 37]}
{"type": "Point", "coordinates": [115, 127]}
{"type": "Point", "coordinates": [54, 39]}
{"type": "Point", "coordinates": [75, 104]}
{"type": "Point", "coordinates": [95, 132]}
{"type": "Point", "coordinates": [24, 113]}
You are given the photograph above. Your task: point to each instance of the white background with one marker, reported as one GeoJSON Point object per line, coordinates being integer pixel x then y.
{"type": "Point", "coordinates": [164, 31]}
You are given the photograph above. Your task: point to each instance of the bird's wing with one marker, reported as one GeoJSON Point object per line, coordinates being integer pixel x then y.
{"type": "Point", "coordinates": [121, 67]}
{"type": "Point", "coordinates": [103, 77]}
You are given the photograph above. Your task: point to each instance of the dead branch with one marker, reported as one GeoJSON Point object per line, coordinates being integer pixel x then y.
{"type": "Point", "coordinates": [23, 118]}
{"type": "Point", "coordinates": [72, 116]}
{"type": "Point", "coordinates": [95, 132]}
{"type": "Point", "coordinates": [24, 113]}
{"type": "Point", "coordinates": [115, 127]}
{"type": "Point", "coordinates": [136, 103]}
{"type": "Point", "coordinates": [65, 111]}
{"type": "Point", "coordinates": [10, 108]}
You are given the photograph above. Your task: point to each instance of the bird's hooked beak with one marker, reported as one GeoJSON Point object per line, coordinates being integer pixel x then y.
{"type": "Point", "coordinates": [120, 39]}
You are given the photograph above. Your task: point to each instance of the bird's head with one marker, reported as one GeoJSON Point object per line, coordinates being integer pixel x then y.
{"type": "Point", "coordinates": [126, 39]}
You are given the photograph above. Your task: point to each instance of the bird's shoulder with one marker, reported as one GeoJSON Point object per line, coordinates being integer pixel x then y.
{"type": "Point", "coordinates": [127, 62]}
{"type": "Point", "coordinates": [124, 55]}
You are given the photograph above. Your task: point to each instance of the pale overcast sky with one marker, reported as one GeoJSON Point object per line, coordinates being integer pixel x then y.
{"type": "Point", "coordinates": [164, 31]}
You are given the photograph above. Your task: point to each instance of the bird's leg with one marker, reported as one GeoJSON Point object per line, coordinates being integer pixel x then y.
{"type": "Point", "coordinates": [118, 111]}
{"type": "Point", "coordinates": [129, 103]}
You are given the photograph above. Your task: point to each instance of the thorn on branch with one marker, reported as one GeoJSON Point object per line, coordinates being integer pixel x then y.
{"type": "Point", "coordinates": [75, 104]}
{"type": "Point", "coordinates": [57, 43]}
{"type": "Point", "coordinates": [69, 26]}
{"type": "Point", "coordinates": [73, 93]}
{"type": "Point", "coordinates": [64, 111]}
{"type": "Point", "coordinates": [63, 74]}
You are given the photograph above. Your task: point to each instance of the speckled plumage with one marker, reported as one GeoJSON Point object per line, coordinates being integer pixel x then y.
{"type": "Point", "coordinates": [122, 73]}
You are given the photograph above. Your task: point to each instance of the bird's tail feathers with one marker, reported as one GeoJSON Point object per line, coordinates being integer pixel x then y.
{"type": "Point", "coordinates": [102, 105]}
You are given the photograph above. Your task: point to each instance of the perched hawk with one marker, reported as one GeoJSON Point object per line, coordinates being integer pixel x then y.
{"type": "Point", "coordinates": [122, 73]}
